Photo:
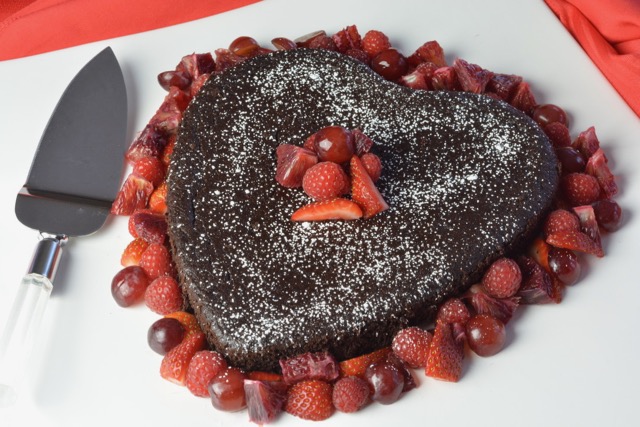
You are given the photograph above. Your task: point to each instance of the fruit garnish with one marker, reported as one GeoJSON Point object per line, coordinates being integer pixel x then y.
{"type": "Point", "coordinates": [196, 64]}
{"type": "Point", "coordinates": [325, 181]}
{"type": "Point", "coordinates": [589, 223]}
{"type": "Point", "coordinates": [375, 42]}
{"type": "Point", "coordinates": [203, 367]}
{"type": "Point", "coordinates": [128, 286]}
{"type": "Point", "coordinates": [164, 295]}
{"type": "Point", "coordinates": [187, 320]}
{"type": "Point", "coordinates": [523, 99]}
{"type": "Point", "coordinates": [549, 113]}
{"type": "Point", "coordinates": [537, 286]}
{"type": "Point", "coordinates": [429, 52]}
{"type": "Point", "coordinates": [576, 241]}
{"type": "Point", "coordinates": [244, 46]}
{"type": "Point", "coordinates": [608, 214]}
{"type": "Point", "coordinates": [133, 252]}
{"type": "Point", "coordinates": [303, 41]}
{"type": "Point", "coordinates": [597, 166]}
{"type": "Point", "coordinates": [334, 144]}
{"type": "Point", "coordinates": [132, 196]}
{"type": "Point", "coordinates": [386, 381]}
{"type": "Point", "coordinates": [570, 159]}
{"type": "Point", "coordinates": [156, 261]}
{"type": "Point", "coordinates": [265, 400]}
{"type": "Point", "coordinates": [358, 365]}
{"type": "Point", "coordinates": [587, 142]}
{"type": "Point", "coordinates": [350, 394]}
{"type": "Point", "coordinates": [486, 335]}
{"type": "Point", "coordinates": [158, 199]}
{"type": "Point", "coordinates": [502, 279]}
{"type": "Point", "coordinates": [472, 77]}
{"type": "Point", "coordinates": [372, 165]}
{"type": "Point", "coordinates": [310, 400]}
{"type": "Point", "coordinates": [565, 265]}
{"type": "Point", "coordinates": [411, 344]}
{"type": "Point", "coordinates": [292, 163]}
{"type": "Point", "coordinates": [149, 168]}
{"type": "Point", "coordinates": [264, 376]}
{"type": "Point", "coordinates": [328, 210]}
{"type": "Point", "coordinates": [503, 85]}
{"type": "Point", "coordinates": [283, 43]}
{"type": "Point", "coordinates": [390, 64]}
{"type": "Point", "coordinates": [361, 142]}
{"type": "Point", "coordinates": [179, 79]}
{"type": "Point", "coordinates": [176, 362]}
{"type": "Point", "coordinates": [580, 189]}
{"type": "Point", "coordinates": [445, 78]}
{"type": "Point", "coordinates": [309, 366]}
{"type": "Point", "coordinates": [149, 143]}
{"type": "Point", "coordinates": [445, 355]}
{"type": "Point", "coordinates": [453, 311]}
{"type": "Point", "coordinates": [347, 39]}
{"type": "Point", "coordinates": [560, 220]}
{"type": "Point", "coordinates": [364, 191]}
{"type": "Point", "coordinates": [165, 334]}
{"type": "Point", "coordinates": [558, 134]}
{"type": "Point", "coordinates": [149, 226]}
{"type": "Point", "coordinates": [500, 308]}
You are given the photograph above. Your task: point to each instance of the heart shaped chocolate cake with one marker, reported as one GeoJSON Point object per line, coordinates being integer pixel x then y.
{"type": "Point", "coordinates": [466, 178]}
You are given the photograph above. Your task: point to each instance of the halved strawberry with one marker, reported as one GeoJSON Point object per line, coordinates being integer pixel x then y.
{"type": "Point", "coordinates": [576, 241]}
{"type": "Point", "coordinates": [133, 195]}
{"type": "Point", "coordinates": [472, 77]}
{"type": "Point", "coordinates": [597, 166]}
{"type": "Point", "coordinates": [357, 366]}
{"type": "Point", "coordinates": [150, 226]}
{"type": "Point", "coordinates": [445, 355]}
{"type": "Point", "coordinates": [292, 163]}
{"type": "Point", "coordinates": [158, 199]}
{"type": "Point", "coordinates": [175, 364]}
{"type": "Point", "coordinates": [561, 220]}
{"type": "Point", "coordinates": [133, 252]}
{"type": "Point", "coordinates": [364, 191]}
{"type": "Point", "coordinates": [330, 209]}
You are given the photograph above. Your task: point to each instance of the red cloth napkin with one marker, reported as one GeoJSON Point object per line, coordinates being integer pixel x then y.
{"type": "Point", "coordinates": [609, 32]}
{"type": "Point", "coordinates": [30, 27]}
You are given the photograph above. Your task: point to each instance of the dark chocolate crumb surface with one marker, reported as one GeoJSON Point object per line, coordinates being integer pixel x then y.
{"type": "Point", "coordinates": [466, 178]}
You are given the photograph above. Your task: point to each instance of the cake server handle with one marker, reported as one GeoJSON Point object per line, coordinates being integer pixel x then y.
{"type": "Point", "coordinates": [25, 318]}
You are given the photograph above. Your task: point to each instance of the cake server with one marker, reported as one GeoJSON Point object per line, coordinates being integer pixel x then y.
{"type": "Point", "coordinates": [74, 178]}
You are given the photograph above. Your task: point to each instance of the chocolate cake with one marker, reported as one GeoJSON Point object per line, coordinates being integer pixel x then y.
{"type": "Point", "coordinates": [466, 177]}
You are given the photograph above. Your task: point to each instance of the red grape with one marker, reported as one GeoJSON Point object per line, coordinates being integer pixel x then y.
{"type": "Point", "coordinates": [179, 79]}
{"type": "Point", "coordinates": [565, 265]}
{"type": "Point", "coordinates": [486, 335]}
{"type": "Point", "coordinates": [165, 334]}
{"type": "Point", "coordinates": [283, 43]}
{"type": "Point", "coordinates": [549, 113]}
{"type": "Point", "coordinates": [128, 285]}
{"type": "Point", "coordinates": [571, 160]}
{"type": "Point", "coordinates": [608, 214]}
{"type": "Point", "coordinates": [386, 381]}
{"type": "Point", "coordinates": [334, 144]}
{"type": "Point", "coordinates": [390, 64]}
{"type": "Point", "coordinates": [244, 46]}
{"type": "Point", "coordinates": [227, 390]}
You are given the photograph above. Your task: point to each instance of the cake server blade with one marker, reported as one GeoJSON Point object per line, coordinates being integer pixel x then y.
{"type": "Point", "coordinates": [73, 180]}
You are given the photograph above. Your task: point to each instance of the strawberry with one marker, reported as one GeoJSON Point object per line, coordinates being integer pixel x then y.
{"type": "Point", "coordinates": [203, 367]}
{"type": "Point", "coordinates": [576, 241]}
{"type": "Point", "coordinates": [411, 345]}
{"type": "Point", "coordinates": [540, 253]}
{"type": "Point", "coordinates": [453, 311]}
{"type": "Point", "coordinates": [502, 279]}
{"type": "Point", "coordinates": [373, 165]}
{"type": "Point", "coordinates": [187, 320]}
{"type": "Point", "coordinates": [325, 181]}
{"type": "Point", "coordinates": [523, 99]}
{"type": "Point", "coordinates": [175, 364]}
{"type": "Point", "coordinates": [150, 226]}
{"type": "Point", "coordinates": [503, 85]}
{"type": "Point", "coordinates": [558, 134]}
{"type": "Point", "coordinates": [472, 77]}
{"type": "Point", "coordinates": [158, 199]}
{"type": "Point", "coordinates": [133, 195]}
{"type": "Point", "coordinates": [164, 296]}
{"type": "Point", "coordinates": [587, 142]}
{"type": "Point", "coordinates": [149, 168]}
{"type": "Point", "coordinates": [580, 189]}
{"type": "Point", "coordinates": [331, 209]}
{"type": "Point", "coordinates": [350, 394]}
{"type": "Point", "coordinates": [445, 355]}
{"type": "Point", "coordinates": [445, 78]}
{"type": "Point", "coordinates": [310, 400]}
{"type": "Point", "coordinates": [133, 252]}
{"type": "Point", "coordinates": [375, 42]}
{"type": "Point", "coordinates": [430, 51]}
{"type": "Point", "coordinates": [156, 261]}
{"type": "Point", "coordinates": [292, 163]}
{"type": "Point", "coordinates": [358, 365]}
{"type": "Point", "coordinates": [561, 220]}
{"type": "Point", "coordinates": [167, 151]}
{"type": "Point", "coordinates": [597, 167]}
{"type": "Point", "coordinates": [363, 190]}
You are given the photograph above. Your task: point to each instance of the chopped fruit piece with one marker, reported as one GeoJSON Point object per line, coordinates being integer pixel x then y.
{"type": "Point", "coordinates": [303, 41]}
{"type": "Point", "coordinates": [158, 199]}
{"type": "Point", "coordinates": [576, 241]}
{"type": "Point", "coordinates": [390, 64]}
{"type": "Point", "coordinates": [133, 196]}
{"type": "Point", "coordinates": [540, 253]}
{"type": "Point", "coordinates": [282, 43]}
{"type": "Point", "coordinates": [445, 78]}
{"type": "Point", "coordinates": [375, 42]}
{"type": "Point", "coordinates": [564, 265]}
{"type": "Point", "coordinates": [597, 167]}
{"type": "Point", "coordinates": [176, 362]}
{"type": "Point", "coordinates": [588, 223]}
{"type": "Point", "coordinates": [323, 42]}
{"type": "Point", "coordinates": [325, 181]}
{"type": "Point", "coordinates": [587, 142]}
{"type": "Point", "coordinates": [502, 279]}
{"type": "Point", "coordinates": [196, 64]}
{"type": "Point", "coordinates": [179, 79]}
{"type": "Point", "coordinates": [164, 296]}
{"type": "Point", "coordinates": [226, 59]}
{"type": "Point", "coordinates": [265, 400]}
{"type": "Point", "coordinates": [358, 54]}
{"type": "Point", "coordinates": [523, 98]}
{"type": "Point", "coordinates": [608, 214]}
{"type": "Point", "coordinates": [244, 46]}
{"type": "Point", "coordinates": [500, 308]}
{"type": "Point", "coordinates": [486, 335]}
{"type": "Point", "coordinates": [385, 380]}
{"type": "Point", "coordinates": [149, 143]}
{"type": "Point", "coordinates": [156, 261]}
{"type": "Point", "coordinates": [150, 226]}
{"type": "Point", "coordinates": [373, 165]}
{"type": "Point", "coordinates": [334, 144]}
{"type": "Point", "coordinates": [264, 376]}
{"type": "Point", "coordinates": [453, 311]}
{"type": "Point", "coordinates": [561, 220]}
{"type": "Point", "coordinates": [570, 159]}
{"type": "Point", "coordinates": [430, 51]}
{"type": "Point", "coordinates": [503, 85]}
{"type": "Point", "coordinates": [558, 134]}
{"type": "Point", "coordinates": [412, 346]}
{"type": "Point", "coordinates": [204, 366]}
{"type": "Point", "coordinates": [292, 163]}
{"type": "Point", "coordinates": [472, 77]}
{"type": "Point", "coordinates": [415, 80]}
{"type": "Point", "coordinates": [128, 286]}
{"type": "Point", "coordinates": [187, 320]}
{"type": "Point", "coordinates": [309, 366]}
{"type": "Point", "coordinates": [580, 189]}
{"type": "Point", "coordinates": [537, 286]}
{"type": "Point", "coordinates": [167, 151]}
{"type": "Point", "coordinates": [197, 84]}
{"type": "Point", "coordinates": [347, 39]}
{"type": "Point", "coordinates": [364, 191]}
{"type": "Point", "coordinates": [227, 390]}
{"type": "Point", "coordinates": [445, 355]}
{"type": "Point", "coordinates": [328, 210]}
{"type": "Point", "coordinates": [358, 365]}
{"type": "Point", "coordinates": [362, 142]}
{"type": "Point", "coordinates": [133, 252]}
{"type": "Point", "coordinates": [350, 394]}
{"type": "Point", "coordinates": [165, 334]}
{"type": "Point", "coordinates": [548, 113]}
{"type": "Point", "coordinates": [310, 400]}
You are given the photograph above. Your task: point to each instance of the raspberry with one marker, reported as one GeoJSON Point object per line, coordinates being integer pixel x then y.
{"type": "Point", "coordinates": [372, 164]}
{"type": "Point", "coordinates": [310, 400]}
{"type": "Point", "coordinates": [454, 311]}
{"type": "Point", "coordinates": [204, 366]}
{"type": "Point", "coordinates": [580, 189]}
{"type": "Point", "coordinates": [561, 220]}
{"type": "Point", "coordinates": [412, 346]}
{"type": "Point", "coordinates": [325, 181]}
{"type": "Point", "coordinates": [502, 279]}
{"type": "Point", "coordinates": [350, 394]}
{"type": "Point", "coordinates": [164, 296]}
{"type": "Point", "coordinates": [375, 42]}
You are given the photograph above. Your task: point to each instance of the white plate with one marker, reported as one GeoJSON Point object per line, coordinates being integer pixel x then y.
{"type": "Point", "coordinates": [570, 364]}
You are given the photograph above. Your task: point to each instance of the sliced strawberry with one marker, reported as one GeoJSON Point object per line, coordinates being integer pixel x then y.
{"type": "Point", "coordinates": [540, 253]}
{"type": "Point", "coordinates": [430, 51]}
{"type": "Point", "coordinates": [133, 196]}
{"type": "Point", "coordinates": [580, 189]}
{"type": "Point", "coordinates": [576, 241]}
{"type": "Point", "coordinates": [375, 42]}
{"type": "Point", "coordinates": [587, 142]}
{"type": "Point", "coordinates": [175, 364]}
{"type": "Point", "coordinates": [364, 191]}
{"type": "Point", "coordinates": [445, 355]}
{"type": "Point", "coordinates": [310, 400]}
{"type": "Point", "coordinates": [357, 366]}
{"type": "Point", "coordinates": [133, 252]}
{"type": "Point", "coordinates": [158, 199]}
{"type": "Point", "coordinates": [472, 77]}
{"type": "Point", "coordinates": [445, 78]}
{"type": "Point", "coordinates": [589, 223]}
{"type": "Point", "coordinates": [537, 285]}
{"type": "Point", "coordinates": [361, 141]}
{"type": "Point", "coordinates": [325, 181]}
{"type": "Point", "coordinates": [523, 98]}
{"type": "Point", "coordinates": [164, 296]}
{"type": "Point", "coordinates": [503, 85]}
{"type": "Point", "coordinates": [373, 165]}
{"type": "Point", "coordinates": [558, 134]}
{"type": "Point", "coordinates": [150, 226]}
{"type": "Point", "coordinates": [597, 166]}
{"type": "Point", "coordinates": [292, 163]}
{"type": "Point", "coordinates": [328, 210]}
